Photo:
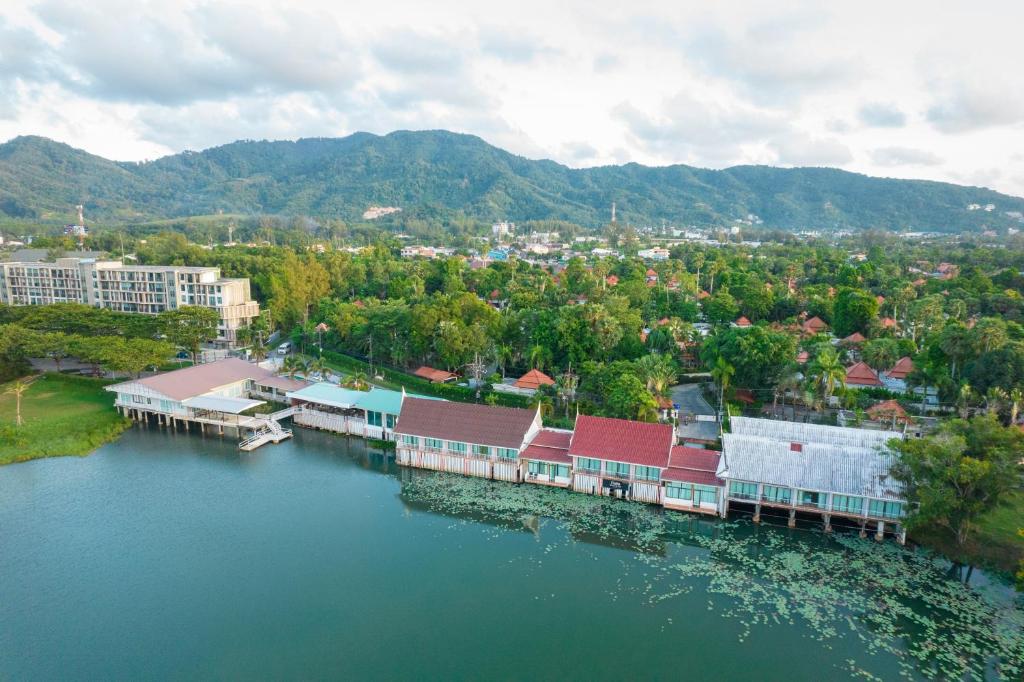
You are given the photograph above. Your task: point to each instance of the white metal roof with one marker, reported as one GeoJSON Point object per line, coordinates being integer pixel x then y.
{"type": "Point", "coordinates": [819, 467]}
{"type": "Point", "coordinates": [795, 432]}
{"type": "Point", "coordinates": [221, 403]}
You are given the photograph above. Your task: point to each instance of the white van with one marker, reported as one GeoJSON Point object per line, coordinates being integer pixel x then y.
{"type": "Point", "coordinates": [284, 348]}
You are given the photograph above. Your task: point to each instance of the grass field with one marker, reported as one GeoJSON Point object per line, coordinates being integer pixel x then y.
{"type": "Point", "coordinates": [994, 544]}
{"type": "Point", "coordinates": [63, 415]}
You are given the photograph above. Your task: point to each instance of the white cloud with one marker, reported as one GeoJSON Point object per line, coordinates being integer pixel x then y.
{"type": "Point", "coordinates": [709, 84]}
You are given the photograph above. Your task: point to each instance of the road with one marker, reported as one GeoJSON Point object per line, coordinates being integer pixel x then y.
{"type": "Point", "coordinates": [691, 400]}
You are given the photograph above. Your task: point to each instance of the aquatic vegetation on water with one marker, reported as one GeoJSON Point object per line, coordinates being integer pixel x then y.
{"type": "Point", "coordinates": [895, 600]}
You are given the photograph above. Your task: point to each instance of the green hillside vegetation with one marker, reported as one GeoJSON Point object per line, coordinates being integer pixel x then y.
{"type": "Point", "coordinates": [443, 176]}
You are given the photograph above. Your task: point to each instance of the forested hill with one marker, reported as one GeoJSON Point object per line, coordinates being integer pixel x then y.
{"type": "Point", "coordinates": [437, 174]}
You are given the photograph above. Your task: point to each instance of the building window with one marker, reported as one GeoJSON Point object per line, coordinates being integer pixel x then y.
{"type": "Point", "coordinates": [617, 469]}
{"type": "Point", "coordinates": [390, 420]}
{"type": "Point", "coordinates": [679, 491]}
{"type": "Point", "coordinates": [744, 491]}
{"type": "Point", "coordinates": [647, 473]}
{"type": "Point", "coordinates": [456, 446]}
{"type": "Point", "coordinates": [588, 464]}
{"type": "Point", "coordinates": [885, 510]}
{"type": "Point", "coordinates": [373, 419]}
{"type": "Point", "coordinates": [481, 451]}
{"type": "Point", "coordinates": [507, 453]}
{"type": "Point", "coordinates": [411, 441]}
{"type": "Point", "coordinates": [776, 494]}
{"type": "Point", "coordinates": [706, 494]}
{"type": "Point", "coordinates": [847, 504]}
{"type": "Point", "coordinates": [435, 443]}
{"type": "Point", "coordinates": [809, 499]}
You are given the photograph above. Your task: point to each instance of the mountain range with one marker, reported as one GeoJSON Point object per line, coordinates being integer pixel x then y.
{"type": "Point", "coordinates": [439, 175]}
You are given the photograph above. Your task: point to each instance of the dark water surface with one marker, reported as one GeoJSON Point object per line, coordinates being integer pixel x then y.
{"type": "Point", "coordinates": [168, 556]}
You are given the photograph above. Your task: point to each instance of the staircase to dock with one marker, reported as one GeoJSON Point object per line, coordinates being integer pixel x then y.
{"type": "Point", "coordinates": [269, 431]}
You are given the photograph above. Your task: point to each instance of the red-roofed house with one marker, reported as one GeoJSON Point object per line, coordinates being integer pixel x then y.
{"type": "Point", "coordinates": [533, 380]}
{"type": "Point", "coordinates": [463, 438]}
{"type": "Point", "coordinates": [854, 339]}
{"type": "Point", "coordinates": [620, 458]}
{"type": "Point", "coordinates": [546, 458]}
{"type": "Point", "coordinates": [690, 483]}
{"type": "Point", "coordinates": [860, 375]}
{"type": "Point", "coordinates": [802, 357]}
{"type": "Point", "coordinates": [888, 323]}
{"type": "Point", "coordinates": [437, 376]}
{"type": "Point", "coordinates": [742, 322]}
{"type": "Point", "coordinates": [612, 280]}
{"type": "Point", "coordinates": [889, 411]}
{"type": "Point", "coordinates": [815, 325]}
{"type": "Point", "coordinates": [896, 378]}
{"type": "Point", "coordinates": [701, 295]}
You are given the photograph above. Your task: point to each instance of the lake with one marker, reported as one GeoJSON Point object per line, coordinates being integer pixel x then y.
{"type": "Point", "coordinates": [171, 556]}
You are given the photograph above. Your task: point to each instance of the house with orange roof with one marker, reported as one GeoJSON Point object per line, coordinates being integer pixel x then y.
{"type": "Point", "coordinates": [860, 375]}
{"type": "Point", "coordinates": [854, 339]}
{"type": "Point", "coordinates": [813, 326]}
{"type": "Point", "coordinates": [436, 376]}
{"type": "Point", "coordinates": [533, 380]}
{"type": "Point", "coordinates": [742, 322]}
{"type": "Point", "coordinates": [896, 378]}
{"type": "Point", "coordinates": [888, 323]}
{"type": "Point", "coordinates": [890, 412]}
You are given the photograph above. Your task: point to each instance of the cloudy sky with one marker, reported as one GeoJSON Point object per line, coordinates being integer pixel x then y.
{"type": "Point", "coordinates": [905, 89]}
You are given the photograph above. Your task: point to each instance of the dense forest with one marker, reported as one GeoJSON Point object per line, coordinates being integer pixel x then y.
{"type": "Point", "coordinates": [443, 177]}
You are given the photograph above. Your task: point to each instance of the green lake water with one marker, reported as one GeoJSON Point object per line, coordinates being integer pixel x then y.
{"type": "Point", "coordinates": [170, 556]}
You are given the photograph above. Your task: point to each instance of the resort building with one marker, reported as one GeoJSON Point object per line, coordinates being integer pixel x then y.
{"type": "Point", "coordinates": [546, 459]}
{"type": "Point", "coordinates": [475, 440]}
{"type": "Point", "coordinates": [620, 458]}
{"type": "Point", "coordinates": [690, 483]}
{"type": "Point", "coordinates": [827, 471]}
{"type": "Point", "coordinates": [147, 289]}
{"type": "Point", "coordinates": [370, 414]}
{"type": "Point", "coordinates": [216, 398]}
{"type": "Point", "coordinates": [860, 375]}
{"type": "Point", "coordinates": [896, 378]}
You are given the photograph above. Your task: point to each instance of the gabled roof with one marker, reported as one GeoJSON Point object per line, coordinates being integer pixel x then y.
{"type": "Point", "coordinates": [325, 393]}
{"type": "Point", "coordinates": [504, 427]}
{"type": "Point", "coordinates": [534, 379]}
{"type": "Point", "coordinates": [886, 410]}
{"type": "Point", "coordinates": [436, 375]}
{"type": "Point", "coordinates": [190, 382]}
{"type": "Point", "coordinates": [903, 367]}
{"type": "Point", "coordinates": [798, 432]}
{"type": "Point", "coordinates": [549, 445]}
{"type": "Point", "coordinates": [622, 440]}
{"type": "Point", "coordinates": [855, 337]}
{"type": "Point", "coordinates": [861, 374]}
{"type": "Point", "coordinates": [888, 322]}
{"type": "Point", "coordinates": [693, 465]}
{"type": "Point", "coordinates": [815, 325]}
{"type": "Point", "coordinates": [743, 322]}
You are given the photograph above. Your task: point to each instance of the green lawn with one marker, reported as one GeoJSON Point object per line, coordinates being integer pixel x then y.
{"type": "Point", "coordinates": [995, 543]}
{"type": "Point", "coordinates": [63, 415]}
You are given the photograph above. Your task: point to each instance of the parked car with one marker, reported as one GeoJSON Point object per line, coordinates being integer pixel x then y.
{"type": "Point", "coordinates": [284, 348]}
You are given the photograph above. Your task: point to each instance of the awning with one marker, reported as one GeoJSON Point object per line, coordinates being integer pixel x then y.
{"type": "Point", "coordinates": [221, 403]}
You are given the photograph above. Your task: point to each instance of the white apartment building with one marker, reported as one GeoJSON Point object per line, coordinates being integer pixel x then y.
{"type": "Point", "coordinates": [148, 289]}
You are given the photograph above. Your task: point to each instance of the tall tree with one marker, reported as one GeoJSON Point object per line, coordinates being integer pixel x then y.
{"type": "Point", "coordinates": [189, 327]}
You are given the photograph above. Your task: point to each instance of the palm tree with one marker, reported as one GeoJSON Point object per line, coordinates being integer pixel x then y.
{"type": "Point", "coordinates": [544, 402]}
{"type": "Point", "coordinates": [538, 356]}
{"type": "Point", "coordinates": [722, 373]}
{"type": "Point", "coordinates": [963, 399]}
{"type": "Point", "coordinates": [658, 372]}
{"type": "Point", "coordinates": [502, 356]}
{"type": "Point", "coordinates": [789, 379]}
{"type": "Point", "coordinates": [827, 373]}
{"type": "Point", "coordinates": [259, 348]}
{"type": "Point", "coordinates": [565, 386]}
{"type": "Point", "coordinates": [318, 366]}
{"type": "Point", "coordinates": [17, 389]}
{"type": "Point", "coordinates": [294, 365]}
{"type": "Point", "coordinates": [357, 382]}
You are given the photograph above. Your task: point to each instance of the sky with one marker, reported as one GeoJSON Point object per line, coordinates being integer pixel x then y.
{"type": "Point", "coordinates": [910, 89]}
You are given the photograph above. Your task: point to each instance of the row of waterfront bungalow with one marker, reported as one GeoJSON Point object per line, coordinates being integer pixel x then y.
{"type": "Point", "coordinates": [765, 467]}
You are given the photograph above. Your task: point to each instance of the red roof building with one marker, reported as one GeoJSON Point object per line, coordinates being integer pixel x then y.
{"type": "Point", "coordinates": [854, 339]}
{"type": "Point", "coordinates": [549, 445]}
{"type": "Point", "coordinates": [612, 280]}
{"type": "Point", "coordinates": [703, 294]}
{"type": "Point", "coordinates": [693, 465]}
{"type": "Point", "coordinates": [743, 322]}
{"type": "Point", "coordinates": [533, 380]}
{"type": "Point", "coordinates": [437, 376]}
{"type": "Point", "coordinates": [888, 323]}
{"type": "Point", "coordinates": [487, 425]}
{"type": "Point", "coordinates": [815, 325]}
{"type": "Point", "coordinates": [621, 440]}
{"type": "Point", "coordinates": [861, 374]}
{"type": "Point", "coordinates": [802, 357]}
{"type": "Point", "coordinates": [903, 367]}
{"type": "Point", "coordinates": [889, 411]}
